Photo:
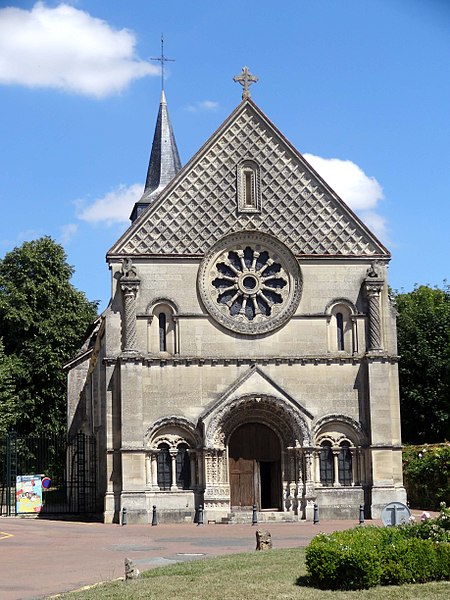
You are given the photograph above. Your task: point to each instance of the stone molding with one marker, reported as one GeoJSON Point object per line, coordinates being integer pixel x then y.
{"type": "Point", "coordinates": [331, 359]}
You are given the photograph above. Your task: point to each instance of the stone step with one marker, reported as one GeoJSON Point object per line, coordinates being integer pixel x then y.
{"type": "Point", "coordinates": [244, 517]}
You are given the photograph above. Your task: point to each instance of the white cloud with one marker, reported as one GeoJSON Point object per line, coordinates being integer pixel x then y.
{"type": "Point", "coordinates": [359, 191]}
{"type": "Point", "coordinates": [67, 49]}
{"type": "Point", "coordinates": [349, 181]}
{"type": "Point", "coordinates": [114, 207]}
{"type": "Point", "coordinates": [68, 232]}
{"type": "Point", "coordinates": [203, 106]}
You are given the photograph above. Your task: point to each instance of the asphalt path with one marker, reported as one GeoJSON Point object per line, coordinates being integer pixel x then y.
{"type": "Point", "coordinates": [40, 558]}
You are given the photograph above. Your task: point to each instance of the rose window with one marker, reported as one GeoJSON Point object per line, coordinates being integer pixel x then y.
{"type": "Point", "coordinates": [250, 282]}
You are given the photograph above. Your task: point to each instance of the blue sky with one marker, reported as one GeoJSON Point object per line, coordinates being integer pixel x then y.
{"type": "Point", "coordinates": [360, 87]}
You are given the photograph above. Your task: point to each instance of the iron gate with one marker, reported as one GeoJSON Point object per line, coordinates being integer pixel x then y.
{"type": "Point", "coordinates": [70, 465]}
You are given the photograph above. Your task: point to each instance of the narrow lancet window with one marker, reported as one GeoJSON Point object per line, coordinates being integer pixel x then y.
{"type": "Point", "coordinates": [326, 464]}
{"type": "Point", "coordinates": [345, 464]}
{"type": "Point", "coordinates": [249, 197]}
{"type": "Point", "coordinates": [162, 332]}
{"type": "Point", "coordinates": [340, 331]}
{"type": "Point", "coordinates": [183, 468]}
{"type": "Point", "coordinates": [164, 469]}
{"type": "Point", "coordinates": [248, 186]}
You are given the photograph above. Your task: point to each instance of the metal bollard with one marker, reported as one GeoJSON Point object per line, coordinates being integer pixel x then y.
{"type": "Point", "coordinates": [254, 516]}
{"type": "Point", "coordinates": [154, 520]}
{"type": "Point", "coordinates": [361, 514]}
{"type": "Point", "coordinates": [315, 514]}
{"type": "Point", "coordinates": [124, 516]}
{"type": "Point", "coordinates": [200, 515]}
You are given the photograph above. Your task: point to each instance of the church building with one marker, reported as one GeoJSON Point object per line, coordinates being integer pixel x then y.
{"type": "Point", "coordinates": [248, 354]}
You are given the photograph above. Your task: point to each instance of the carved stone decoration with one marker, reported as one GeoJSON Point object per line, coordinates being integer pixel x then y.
{"type": "Point", "coordinates": [250, 282]}
{"type": "Point", "coordinates": [373, 286]}
{"type": "Point", "coordinates": [308, 219]}
{"type": "Point", "coordinates": [245, 79]}
{"type": "Point", "coordinates": [129, 285]}
{"type": "Point", "coordinates": [289, 424]}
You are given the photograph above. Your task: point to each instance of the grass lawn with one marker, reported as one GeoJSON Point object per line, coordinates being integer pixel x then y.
{"type": "Point", "coordinates": [279, 574]}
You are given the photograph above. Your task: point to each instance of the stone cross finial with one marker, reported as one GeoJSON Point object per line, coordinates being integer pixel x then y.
{"type": "Point", "coordinates": [245, 79]}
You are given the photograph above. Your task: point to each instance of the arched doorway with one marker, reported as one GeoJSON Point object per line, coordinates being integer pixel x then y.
{"type": "Point", "coordinates": [255, 467]}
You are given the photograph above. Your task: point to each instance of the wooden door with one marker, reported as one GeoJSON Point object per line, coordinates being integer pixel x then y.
{"type": "Point", "coordinates": [251, 448]}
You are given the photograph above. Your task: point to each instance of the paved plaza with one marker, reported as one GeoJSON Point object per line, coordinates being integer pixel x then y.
{"type": "Point", "coordinates": [40, 558]}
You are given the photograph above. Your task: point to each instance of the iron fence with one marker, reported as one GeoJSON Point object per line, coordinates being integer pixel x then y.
{"type": "Point", "coordinates": [69, 465]}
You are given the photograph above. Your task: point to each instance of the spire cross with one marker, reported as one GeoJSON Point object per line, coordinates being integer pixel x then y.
{"type": "Point", "coordinates": [162, 59]}
{"type": "Point", "coordinates": [245, 79]}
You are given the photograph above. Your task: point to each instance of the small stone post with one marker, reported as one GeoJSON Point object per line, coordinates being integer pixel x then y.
{"type": "Point", "coordinates": [131, 572]}
{"type": "Point", "coordinates": [263, 540]}
{"type": "Point", "coordinates": [361, 514]}
{"type": "Point", "coordinates": [316, 514]}
{"type": "Point", "coordinates": [254, 515]}
{"type": "Point", "coordinates": [200, 515]}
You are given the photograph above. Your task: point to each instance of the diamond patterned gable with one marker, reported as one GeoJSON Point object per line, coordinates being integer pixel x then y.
{"type": "Point", "coordinates": [200, 205]}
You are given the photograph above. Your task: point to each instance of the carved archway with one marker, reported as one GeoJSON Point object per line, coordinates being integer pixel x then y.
{"type": "Point", "coordinates": [284, 419]}
{"type": "Point", "coordinates": [269, 478]}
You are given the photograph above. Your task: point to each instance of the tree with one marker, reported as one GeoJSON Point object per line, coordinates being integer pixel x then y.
{"type": "Point", "coordinates": [43, 320]}
{"type": "Point", "coordinates": [8, 402]}
{"type": "Point", "coordinates": [423, 326]}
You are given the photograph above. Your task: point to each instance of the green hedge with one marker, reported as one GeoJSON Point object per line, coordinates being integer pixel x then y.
{"type": "Point", "coordinates": [363, 557]}
{"type": "Point", "coordinates": [426, 473]}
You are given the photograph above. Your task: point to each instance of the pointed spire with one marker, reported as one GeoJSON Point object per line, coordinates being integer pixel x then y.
{"type": "Point", "coordinates": [164, 160]}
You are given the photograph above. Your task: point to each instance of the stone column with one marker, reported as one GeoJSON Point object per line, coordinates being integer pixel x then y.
{"type": "Point", "coordinates": [336, 467]}
{"type": "Point", "coordinates": [201, 478]}
{"type": "Point", "coordinates": [373, 287]}
{"type": "Point", "coordinates": [192, 461]}
{"type": "Point", "coordinates": [317, 467]}
{"type": "Point", "coordinates": [148, 470]}
{"type": "Point", "coordinates": [173, 455]}
{"type": "Point", "coordinates": [154, 470]}
{"type": "Point", "coordinates": [354, 323]}
{"type": "Point", "coordinates": [129, 285]}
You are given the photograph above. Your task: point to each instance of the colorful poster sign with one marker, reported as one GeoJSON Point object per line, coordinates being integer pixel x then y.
{"type": "Point", "coordinates": [28, 494]}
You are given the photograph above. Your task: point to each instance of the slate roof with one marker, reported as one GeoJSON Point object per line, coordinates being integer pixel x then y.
{"type": "Point", "coordinates": [164, 161]}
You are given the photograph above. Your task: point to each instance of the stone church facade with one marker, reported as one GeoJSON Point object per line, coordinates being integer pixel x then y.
{"type": "Point", "coordinates": [248, 354]}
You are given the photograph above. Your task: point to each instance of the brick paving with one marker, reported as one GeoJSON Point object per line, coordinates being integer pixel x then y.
{"type": "Point", "coordinates": [39, 558]}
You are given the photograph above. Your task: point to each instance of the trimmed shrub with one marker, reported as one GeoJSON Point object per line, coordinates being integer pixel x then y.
{"type": "Point", "coordinates": [410, 560]}
{"type": "Point", "coordinates": [367, 556]}
{"type": "Point", "coordinates": [343, 561]}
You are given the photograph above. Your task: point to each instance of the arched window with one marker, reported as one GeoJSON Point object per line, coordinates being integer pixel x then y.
{"type": "Point", "coordinates": [326, 464]}
{"type": "Point", "coordinates": [183, 467]}
{"type": "Point", "coordinates": [342, 328]}
{"type": "Point", "coordinates": [248, 186]}
{"type": "Point", "coordinates": [340, 331]}
{"type": "Point", "coordinates": [162, 322]}
{"type": "Point", "coordinates": [163, 328]}
{"type": "Point", "coordinates": [164, 466]}
{"type": "Point", "coordinates": [345, 464]}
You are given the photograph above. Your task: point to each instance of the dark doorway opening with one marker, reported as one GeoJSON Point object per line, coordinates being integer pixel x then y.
{"type": "Point", "coordinates": [255, 467]}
